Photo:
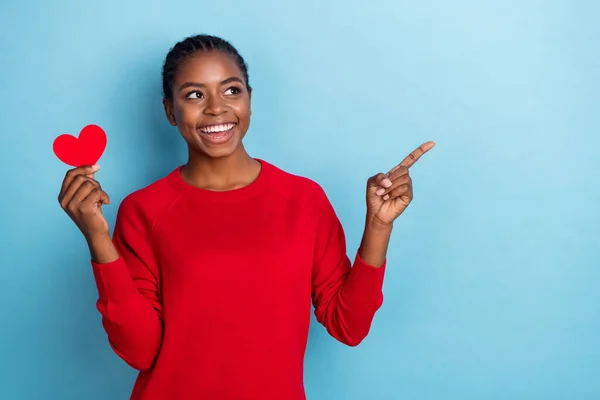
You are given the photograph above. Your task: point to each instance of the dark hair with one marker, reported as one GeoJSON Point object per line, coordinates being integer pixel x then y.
{"type": "Point", "coordinates": [188, 48]}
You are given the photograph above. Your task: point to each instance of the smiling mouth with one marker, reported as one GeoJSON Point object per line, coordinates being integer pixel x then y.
{"type": "Point", "coordinates": [217, 133]}
{"type": "Point", "coordinates": [218, 129]}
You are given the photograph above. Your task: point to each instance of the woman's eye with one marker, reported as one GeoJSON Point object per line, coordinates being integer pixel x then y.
{"type": "Point", "coordinates": [194, 95]}
{"type": "Point", "coordinates": [232, 90]}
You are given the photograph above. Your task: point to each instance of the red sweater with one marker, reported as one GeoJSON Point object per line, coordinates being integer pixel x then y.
{"type": "Point", "coordinates": [211, 296]}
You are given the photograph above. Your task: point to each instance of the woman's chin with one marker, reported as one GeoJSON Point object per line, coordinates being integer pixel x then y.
{"type": "Point", "coordinates": [218, 151]}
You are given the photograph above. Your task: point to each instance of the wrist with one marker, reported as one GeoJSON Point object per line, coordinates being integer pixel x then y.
{"type": "Point", "coordinates": [374, 244]}
{"type": "Point", "coordinates": [95, 238]}
{"type": "Point", "coordinates": [373, 222]}
{"type": "Point", "coordinates": [102, 249]}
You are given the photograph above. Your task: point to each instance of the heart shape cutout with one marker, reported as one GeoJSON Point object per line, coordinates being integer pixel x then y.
{"type": "Point", "coordinates": [83, 150]}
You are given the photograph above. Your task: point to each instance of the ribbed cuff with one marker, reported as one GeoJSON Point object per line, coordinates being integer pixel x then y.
{"type": "Point", "coordinates": [113, 281]}
{"type": "Point", "coordinates": [364, 286]}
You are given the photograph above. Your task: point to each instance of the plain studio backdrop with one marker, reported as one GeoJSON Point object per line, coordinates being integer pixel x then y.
{"type": "Point", "coordinates": [492, 286]}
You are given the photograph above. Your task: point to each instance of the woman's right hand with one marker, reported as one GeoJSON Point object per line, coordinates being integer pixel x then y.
{"type": "Point", "coordinates": [81, 197]}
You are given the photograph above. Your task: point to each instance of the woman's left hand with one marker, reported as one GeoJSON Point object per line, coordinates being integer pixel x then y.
{"type": "Point", "coordinates": [389, 194]}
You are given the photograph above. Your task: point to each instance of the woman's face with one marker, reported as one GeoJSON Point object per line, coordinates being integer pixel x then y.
{"type": "Point", "coordinates": [211, 104]}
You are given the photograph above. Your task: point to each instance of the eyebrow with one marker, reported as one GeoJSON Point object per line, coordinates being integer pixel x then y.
{"type": "Point", "coordinates": [201, 85]}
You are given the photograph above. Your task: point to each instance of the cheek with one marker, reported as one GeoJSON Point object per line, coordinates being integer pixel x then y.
{"type": "Point", "coordinates": [242, 110]}
{"type": "Point", "coordinates": [185, 112]}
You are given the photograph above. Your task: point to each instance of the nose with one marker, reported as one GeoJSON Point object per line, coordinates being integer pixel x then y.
{"type": "Point", "coordinates": [214, 106]}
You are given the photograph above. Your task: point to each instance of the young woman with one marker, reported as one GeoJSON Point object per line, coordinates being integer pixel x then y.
{"type": "Point", "coordinates": [206, 285]}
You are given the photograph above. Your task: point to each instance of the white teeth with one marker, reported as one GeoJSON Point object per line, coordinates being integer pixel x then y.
{"type": "Point", "coordinates": [217, 128]}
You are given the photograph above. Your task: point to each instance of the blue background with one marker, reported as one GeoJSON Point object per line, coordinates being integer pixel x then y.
{"type": "Point", "coordinates": [492, 289]}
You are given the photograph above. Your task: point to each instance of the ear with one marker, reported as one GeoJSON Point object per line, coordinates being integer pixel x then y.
{"type": "Point", "coordinates": [250, 97]}
{"type": "Point", "coordinates": [168, 104]}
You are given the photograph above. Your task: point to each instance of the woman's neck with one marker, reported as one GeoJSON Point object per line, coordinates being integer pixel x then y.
{"type": "Point", "coordinates": [221, 174]}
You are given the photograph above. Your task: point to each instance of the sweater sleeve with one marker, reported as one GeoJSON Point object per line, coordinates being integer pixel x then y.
{"type": "Point", "coordinates": [128, 290]}
{"type": "Point", "coordinates": [345, 296]}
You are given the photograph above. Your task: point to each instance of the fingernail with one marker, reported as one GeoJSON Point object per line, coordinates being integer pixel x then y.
{"type": "Point", "coordinates": [387, 196]}
{"type": "Point", "coordinates": [380, 192]}
{"type": "Point", "coordinates": [95, 167]}
{"type": "Point", "coordinates": [386, 183]}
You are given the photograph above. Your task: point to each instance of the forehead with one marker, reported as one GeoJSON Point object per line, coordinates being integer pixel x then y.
{"type": "Point", "coordinates": [207, 67]}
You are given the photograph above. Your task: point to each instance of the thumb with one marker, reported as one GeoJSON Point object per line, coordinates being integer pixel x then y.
{"type": "Point", "coordinates": [94, 169]}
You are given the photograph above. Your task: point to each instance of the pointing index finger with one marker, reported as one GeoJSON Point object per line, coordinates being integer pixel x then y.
{"type": "Point", "coordinates": [413, 157]}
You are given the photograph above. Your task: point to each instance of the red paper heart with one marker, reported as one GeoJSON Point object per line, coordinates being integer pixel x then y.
{"type": "Point", "coordinates": [84, 150]}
